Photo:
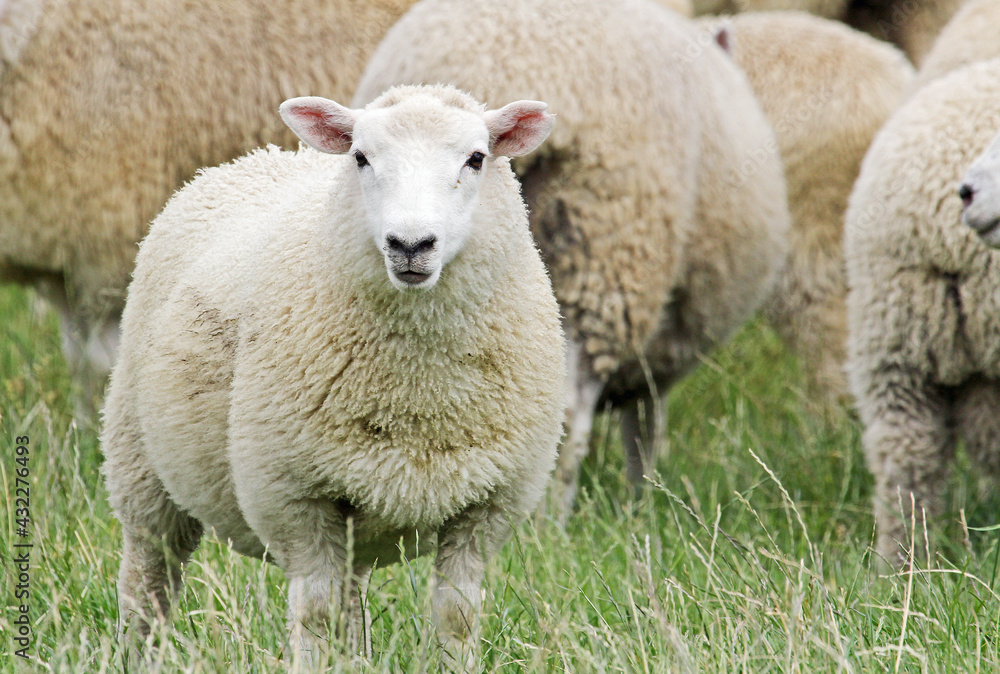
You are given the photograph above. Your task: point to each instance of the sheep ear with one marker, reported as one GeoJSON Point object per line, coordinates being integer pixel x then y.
{"type": "Point", "coordinates": [723, 35]}
{"type": "Point", "coordinates": [518, 128]}
{"type": "Point", "coordinates": [321, 123]}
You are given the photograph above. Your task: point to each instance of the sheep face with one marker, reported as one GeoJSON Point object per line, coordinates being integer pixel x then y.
{"type": "Point", "coordinates": [420, 164]}
{"type": "Point", "coordinates": [980, 193]}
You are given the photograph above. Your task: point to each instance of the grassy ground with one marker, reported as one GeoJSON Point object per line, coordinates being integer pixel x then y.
{"type": "Point", "coordinates": [751, 553]}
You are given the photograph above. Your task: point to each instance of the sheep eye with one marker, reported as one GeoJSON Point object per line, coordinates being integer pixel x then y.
{"type": "Point", "coordinates": [475, 161]}
{"type": "Point", "coordinates": [362, 159]}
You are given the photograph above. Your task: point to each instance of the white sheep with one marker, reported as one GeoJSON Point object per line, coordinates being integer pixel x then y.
{"type": "Point", "coordinates": [923, 308]}
{"type": "Point", "coordinates": [107, 107]}
{"type": "Point", "coordinates": [970, 36]}
{"type": "Point", "coordinates": [658, 203]}
{"type": "Point", "coordinates": [980, 194]}
{"type": "Point", "coordinates": [323, 349]}
{"type": "Point", "coordinates": [827, 89]}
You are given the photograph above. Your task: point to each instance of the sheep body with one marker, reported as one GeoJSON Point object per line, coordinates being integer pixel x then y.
{"type": "Point", "coordinates": [273, 384]}
{"type": "Point", "coordinates": [827, 89]}
{"type": "Point", "coordinates": [923, 359]}
{"type": "Point", "coordinates": [658, 207]}
{"type": "Point", "coordinates": [966, 38]}
{"type": "Point", "coordinates": [108, 107]}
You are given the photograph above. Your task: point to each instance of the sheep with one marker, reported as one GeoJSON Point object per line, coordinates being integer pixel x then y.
{"type": "Point", "coordinates": [911, 25]}
{"type": "Point", "coordinates": [827, 89]}
{"type": "Point", "coordinates": [315, 347]}
{"type": "Point", "coordinates": [107, 107]}
{"type": "Point", "coordinates": [980, 194]}
{"type": "Point", "coordinates": [658, 203]}
{"type": "Point", "coordinates": [923, 358]}
{"type": "Point", "coordinates": [967, 38]}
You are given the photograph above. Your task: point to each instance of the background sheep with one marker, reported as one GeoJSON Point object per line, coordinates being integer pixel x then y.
{"type": "Point", "coordinates": [970, 36]}
{"type": "Point", "coordinates": [106, 107]}
{"type": "Point", "coordinates": [286, 383]}
{"type": "Point", "coordinates": [980, 194]}
{"type": "Point", "coordinates": [923, 357]}
{"type": "Point", "coordinates": [658, 203]}
{"type": "Point", "coordinates": [827, 89]}
{"type": "Point", "coordinates": [910, 24]}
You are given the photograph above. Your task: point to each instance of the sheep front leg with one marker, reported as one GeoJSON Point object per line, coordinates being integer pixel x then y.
{"type": "Point", "coordinates": [310, 599]}
{"type": "Point", "coordinates": [465, 546]}
{"type": "Point", "coordinates": [310, 540]}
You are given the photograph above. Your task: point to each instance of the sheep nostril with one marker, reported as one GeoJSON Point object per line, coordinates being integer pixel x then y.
{"type": "Point", "coordinates": [410, 250]}
{"type": "Point", "coordinates": [966, 193]}
{"type": "Point", "coordinates": [395, 245]}
{"type": "Point", "coordinates": [425, 245]}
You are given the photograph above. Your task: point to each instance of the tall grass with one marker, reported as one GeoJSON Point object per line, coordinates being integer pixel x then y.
{"type": "Point", "coordinates": [750, 551]}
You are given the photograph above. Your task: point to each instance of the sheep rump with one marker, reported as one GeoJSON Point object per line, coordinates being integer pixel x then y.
{"type": "Point", "coordinates": [923, 358]}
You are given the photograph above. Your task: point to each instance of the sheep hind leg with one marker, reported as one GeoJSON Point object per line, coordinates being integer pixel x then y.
{"type": "Point", "coordinates": [978, 423]}
{"type": "Point", "coordinates": [584, 392]}
{"type": "Point", "coordinates": [150, 574]}
{"type": "Point", "coordinates": [642, 430]}
{"type": "Point", "coordinates": [90, 343]}
{"type": "Point", "coordinates": [908, 442]}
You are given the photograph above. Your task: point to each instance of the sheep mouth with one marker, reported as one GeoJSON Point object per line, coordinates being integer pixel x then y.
{"type": "Point", "coordinates": [984, 230]}
{"type": "Point", "coordinates": [410, 277]}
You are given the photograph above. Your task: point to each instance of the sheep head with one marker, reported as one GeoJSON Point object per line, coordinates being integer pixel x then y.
{"type": "Point", "coordinates": [421, 162]}
{"type": "Point", "coordinates": [980, 193]}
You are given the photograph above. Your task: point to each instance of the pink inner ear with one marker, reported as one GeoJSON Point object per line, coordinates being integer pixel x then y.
{"type": "Point", "coordinates": [330, 136]}
{"type": "Point", "coordinates": [518, 128]}
{"type": "Point", "coordinates": [722, 39]}
{"type": "Point", "coordinates": [322, 124]}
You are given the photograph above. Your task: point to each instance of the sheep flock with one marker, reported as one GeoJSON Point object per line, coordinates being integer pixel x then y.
{"type": "Point", "coordinates": [350, 275]}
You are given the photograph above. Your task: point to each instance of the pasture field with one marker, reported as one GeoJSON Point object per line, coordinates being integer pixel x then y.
{"type": "Point", "coordinates": [749, 553]}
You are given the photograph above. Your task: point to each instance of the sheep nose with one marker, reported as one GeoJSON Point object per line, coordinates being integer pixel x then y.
{"type": "Point", "coordinates": [410, 249]}
{"type": "Point", "coordinates": [966, 193]}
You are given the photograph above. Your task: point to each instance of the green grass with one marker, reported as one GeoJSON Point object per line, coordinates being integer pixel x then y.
{"type": "Point", "coordinates": [751, 553]}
